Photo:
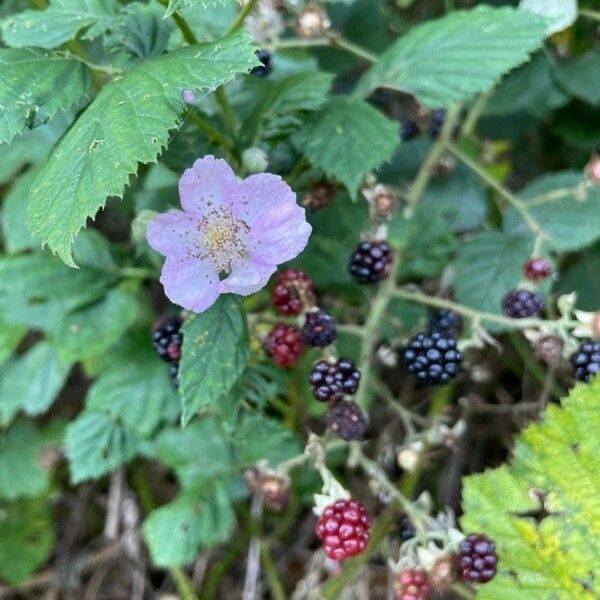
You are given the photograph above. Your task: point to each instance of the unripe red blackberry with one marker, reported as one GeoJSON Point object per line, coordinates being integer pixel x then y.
{"type": "Point", "coordinates": [477, 558]}
{"type": "Point", "coordinates": [293, 292]}
{"type": "Point", "coordinates": [412, 584]}
{"type": "Point", "coordinates": [344, 528]}
{"type": "Point", "coordinates": [433, 358]}
{"type": "Point", "coordinates": [319, 329]}
{"type": "Point", "coordinates": [284, 344]}
{"type": "Point", "coordinates": [522, 304]}
{"type": "Point", "coordinates": [585, 361]}
{"type": "Point", "coordinates": [331, 380]}
{"type": "Point", "coordinates": [167, 338]}
{"type": "Point", "coordinates": [371, 261]}
{"type": "Point", "coordinates": [347, 420]}
{"type": "Point", "coordinates": [537, 269]}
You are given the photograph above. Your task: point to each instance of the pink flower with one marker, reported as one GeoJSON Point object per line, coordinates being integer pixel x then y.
{"type": "Point", "coordinates": [230, 235]}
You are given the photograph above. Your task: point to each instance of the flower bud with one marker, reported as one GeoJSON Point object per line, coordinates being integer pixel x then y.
{"type": "Point", "coordinates": [255, 160]}
{"type": "Point", "coordinates": [313, 22]}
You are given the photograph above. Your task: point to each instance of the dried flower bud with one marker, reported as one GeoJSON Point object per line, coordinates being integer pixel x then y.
{"type": "Point", "coordinates": [313, 22]}
{"type": "Point", "coordinates": [274, 487]}
{"type": "Point", "coordinates": [443, 573]}
{"type": "Point", "coordinates": [265, 24]}
{"type": "Point", "coordinates": [549, 349]}
{"type": "Point", "coordinates": [319, 196]}
{"type": "Point", "coordinates": [383, 200]}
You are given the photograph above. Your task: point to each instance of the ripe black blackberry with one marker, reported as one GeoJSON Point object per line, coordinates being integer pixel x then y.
{"type": "Point", "coordinates": [477, 558]}
{"type": "Point", "coordinates": [347, 420]}
{"type": "Point", "coordinates": [331, 380]}
{"type": "Point", "coordinates": [319, 329]}
{"type": "Point", "coordinates": [445, 321]}
{"type": "Point", "coordinates": [523, 303]}
{"type": "Point", "coordinates": [407, 529]}
{"type": "Point", "coordinates": [433, 357]}
{"type": "Point", "coordinates": [436, 123]}
{"type": "Point", "coordinates": [585, 361]}
{"type": "Point", "coordinates": [370, 262]}
{"type": "Point", "coordinates": [167, 338]}
{"type": "Point", "coordinates": [410, 130]}
{"type": "Point", "coordinates": [265, 68]}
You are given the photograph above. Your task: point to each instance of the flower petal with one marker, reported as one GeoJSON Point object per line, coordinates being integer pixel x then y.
{"type": "Point", "coordinates": [191, 283]}
{"type": "Point", "coordinates": [279, 230]}
{"type": "Point", "coordinates": [171, 232]}
{"type": "Point", "coordinates": [247, 277]}
{"type": "Point", "coordinates": [210, 183]}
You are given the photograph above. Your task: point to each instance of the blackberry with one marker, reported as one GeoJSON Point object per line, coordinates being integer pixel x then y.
{"type": "Point", "coordinates": [331, 380]}
{"type": "Point", "coordinates": [294, 292]}
{"type": "Point", "coordinates": [537, 269]}
{"type": "Point", "coordinates": [347, 420]}
{"type": "Point", "coordinates": [477, 558]}
{"type": "Point", "coordinates": [410, 130]}
{"type": "Point", "coordinates": [319, 329]}
{"type": "Point", "coordinates": [265, 68]}
{"type": "Point", "coordinates": [437, 122]}
{"type": "Point", "coordinates": [407, 529]}
{"type": "Point", "coordinates": [167, 338]}
{"type": "Point", "coordinates": [370, 262]}
{"type": "Point", "coordinates": [585, 361]}
{"type": "Point", "coordinates": [522, 303]}
{"type": "Point", "coordinates": [284, 344]}
{"type": "Point", "coordinates": [174, 373]}
{"type": "Point", "coordinates": [412, 584]}
{"type": "Point", "coordinates": [320, 195]}
{"type": "Point", "coordinates": [433, 358]}
{"type": "Point", "coordinates": [445, 321]}
{"type": "Point", "coordinates": [344, 528]}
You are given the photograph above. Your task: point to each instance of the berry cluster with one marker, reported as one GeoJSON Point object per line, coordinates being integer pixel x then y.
{"type": "Point", "coordinates": [433, 357]}
{"type": "Point", "coordinates": [293, 293]}
{"type": "Point", "coordinates": [537, 269]}
{"type": "Point", "coordinates": [410, 130]}
{"type": "Point", "coordinates": [477, 558]}
{"type": "Point", "coordinates": [445, 321]}
{"type": "Point", "coordinates": [370, 262]}
{"type": "Point", "coordinates": [167, 340]}
{"type": "Point", "coordinates": [522, 304]}
{"type": "Point", "coordinates": [284, 344]}
{"type": "Point", "coordinates": [344, 527]}
{"type": "Point", "coordinates": [347, 420]}
{"type": "Point", "coordinates": [319, 329]}
{"type": "Point", "coordinates": [585, 361]}
{"type": "Point", "coordinates": [436, 123]}
{"type": "Point", "coordinates": [412, 584]}
{"type": "Point", "coordinates": [331, 380]}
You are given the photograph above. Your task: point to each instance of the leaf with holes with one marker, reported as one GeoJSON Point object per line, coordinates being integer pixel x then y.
{"type": "Point", "coordinates": [348, 139]}
{"type": "Point", "coordinates": [35, 86]}
{"type": "Point", "coordinates": [453, 58]}
{"type": "Point", "coordinates": [543, 509]}
{"type": "Point", "coordinates": [128, 123]}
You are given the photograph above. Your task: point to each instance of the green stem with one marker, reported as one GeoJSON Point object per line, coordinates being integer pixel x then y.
{"type": "Point", "coordinates": [462, 591]}
{"type": "Point", "coordinates": [211, 132]}
{"type": "Point", "coordinates": [229, 117]}
{"type": "Point", "coordinates": [513, 200]}
{"type": "Point", "coordinates": [186, 30]}
{"type": "Point", "coordinates": [590, 14]}
{"type": "Point", "coordinates": [475, 113]}
{"type": "Point", "coordinates": [241, 17]}
{"type": "Point", "coordinates": [299, 460]}
{"type": "Point", "coordinates": [339, 41]}
{"type": "Point", "coordinates": [275, 583]}
{"type": "Point", "coordinates": [137, 273]}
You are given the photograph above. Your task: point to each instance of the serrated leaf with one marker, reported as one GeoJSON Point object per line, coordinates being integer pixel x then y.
{"type": "Point", "coordinates": [91, 330]}
{"type": "Point", "coordinates": [96, 443]}
{"type": "Point", "coordinates": [92, 249]}
{"type": "Point", "coordinates": [26, 538]}
{"type": "Point", "coordinates": [451, 59]}
{"type": "Point", "coordinates": [259, 438]}
{"type": "Point", "coordinates": [558, 202]}
{"type": "Point", "coordinates": [136, 392]}
{"type": "Point", "coordinates": [31, 382]}
{"type": "Point", "coordinates": [579, 76]}
{"type": "Point", "coordinates": [21, 472]}
{"type": "Point", "coordinates": [559, 14]}
{"type": "Point", "coordinates": [348, 139]}
{"type": "Point", "coordinates": [59, 23]}
{"type": "Point", "coordinates": [35, 86]}
{"type": "Point", "coordinates": [128, 123]}
{"type": "Point", "coordinates": [176, 532]}
{"type": "Point", "coordinates": [198, 453]}
{"type": "Point", "coordinates": [487, 267]}
{"type": "Point", "coordinates": [559, 555]}
{"type": "Point", "coordinates": [175, 5]}
{"type": "Point", "coordinates": [214, 355]}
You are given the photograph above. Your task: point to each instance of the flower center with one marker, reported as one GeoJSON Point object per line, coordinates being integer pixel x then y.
{"type": "Point", "coordinates": [223, 239]}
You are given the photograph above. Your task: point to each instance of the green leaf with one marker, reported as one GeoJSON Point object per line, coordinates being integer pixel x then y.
{"type": "Point", "coordinates": [175, 5]}
{"type": "Point", "coordinates": [59, 23]}
{"type": "Point", "coordinates": [128, 122]}
{"type": "Point", "coordinates": [451, 59]}
{"type": "Point", "coordinates": [176, 532]}
{"type": "Point", "coordinates": [259, 438]}
{"type": "Point", "coordinates": [96, 443]}
{"type": "Point", "coordinates": [214, 355]}
{"type": "Point", "coordinates": [32, 382]}
{"type": "Point", "coordinates": [558, 202]}
{"type": "Point", "coordinates": [93, 329]}
{"type": "Point", "coordinates": [559, 555]}
{"type": "Point", "coordinates": [198, 453]}
{"type": "Point", "coordinates": [11, 335]}
{"type": "Point", "coordinates": [14, 214]}
{"type": "Point", "coordinates": [348, 139]}
{"type": "Point", "coordinates": [36, 85]}
{"type": "Point", "coordinates": [579, 76]}
{"type": "Point", "coordinates": [26, 538]}
{"type": "Point", "coordinates": [92, 249]}
{"type": "Point", "coordinates": [21, 472]}
{"type": "Point", "coordinates": [487, 266]}
{"type": "Point", "coordinates": [136, 392]}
